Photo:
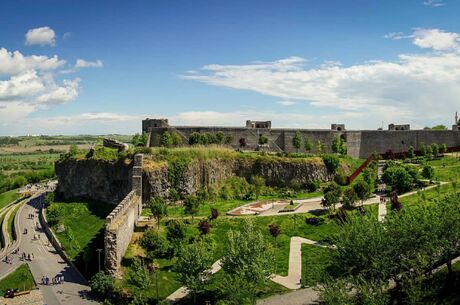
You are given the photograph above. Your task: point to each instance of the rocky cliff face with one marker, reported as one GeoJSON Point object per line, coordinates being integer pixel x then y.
{"type": "Point", "coordinates": [158, 182]}
{"type": "Point", "coordinates": [97, 180]}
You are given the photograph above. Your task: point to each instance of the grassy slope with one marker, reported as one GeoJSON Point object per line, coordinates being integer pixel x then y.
{"type": "Point", "coordinates": [7, 197]}
{"type": "Point", "coordinates": [21, 278]}
{"type": "Point", "coordinates": [315, 263]}
{"type": "Point", "coordinates": [85, 220]}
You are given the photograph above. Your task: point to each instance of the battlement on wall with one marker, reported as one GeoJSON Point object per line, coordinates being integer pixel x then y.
{"type": "Point", "coordinates": [121, 221]}
{"type": "Point", "coordinates": [360, 143]}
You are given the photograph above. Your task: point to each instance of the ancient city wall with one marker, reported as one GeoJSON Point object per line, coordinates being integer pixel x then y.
{"type": "Point", "coordinates": [121, 221]}
{"type": "Point", "coordinates": [400, 141]}
{"type": "Point", "coordinates": [360, 144]}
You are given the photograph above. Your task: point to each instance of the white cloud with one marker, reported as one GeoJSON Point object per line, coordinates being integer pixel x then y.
{"type": "Point", "coordinates": [436, 39]}
{"type": "Point", "coordinates": [81, 63]}
{"type": "Point", "coordinates": [287, 103]}
{"type": "Point", "coordinates": [434, 3]}
{"type": "Point", "coordinates": [12, 63]}
{"type": "Point", "coordinates": [415, 87]}
{"type": "Point", "coordinates": [41, 36]}
{"type": "Point", "coordinates": [396, 36]}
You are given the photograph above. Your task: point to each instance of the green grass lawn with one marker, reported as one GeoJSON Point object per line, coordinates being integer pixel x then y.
{"type": "Point", "coordinates": [223, 206]}
{"type": "Point", "coordinates": [426, 196]}
{"type": "Point", "coordinates": [316, 262]}
{"type": "Point", "coordinates": [446, 168]}
{"type": "Point", "coordinates": [20, 279]}
{"type": "Point", "coordinates": [11, 222]}
{"type": "Point", "coordinates": [8, 197]}
{"type": "Point", "coordinates": [82, 222]}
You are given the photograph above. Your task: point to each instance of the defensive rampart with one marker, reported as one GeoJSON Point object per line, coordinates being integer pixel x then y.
{"type": "Point", "coordinates": [121, 221]}
{"type": "Point", "coordinates": [360, 143]}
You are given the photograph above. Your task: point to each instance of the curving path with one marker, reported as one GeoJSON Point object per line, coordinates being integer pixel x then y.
{"type": "Point", "coordinates": [46, 261]}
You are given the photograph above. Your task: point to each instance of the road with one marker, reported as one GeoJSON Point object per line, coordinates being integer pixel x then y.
{"type": "Point", "coordinates": [46, 260]}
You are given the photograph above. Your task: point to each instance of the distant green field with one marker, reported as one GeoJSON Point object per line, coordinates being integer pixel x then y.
{"type": "Point", "coordinates": [7, 197]}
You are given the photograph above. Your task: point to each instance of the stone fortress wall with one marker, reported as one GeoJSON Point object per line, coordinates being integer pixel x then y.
{"type": "Point", "coordinates": [360, 143]}
{"type": "Point", "coordinates": [121, 221]}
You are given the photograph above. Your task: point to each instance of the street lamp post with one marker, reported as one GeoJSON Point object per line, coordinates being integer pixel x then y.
{"type": "Point", "coordinates": [99, 258]}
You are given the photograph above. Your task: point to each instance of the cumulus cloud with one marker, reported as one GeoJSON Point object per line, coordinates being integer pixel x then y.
{"type": "Point", "coordinates": [415, 87]}
{"type": "Point", "coordinates": [41, 36]}
{"type": "Point", "coordinates": [12, 63]}
{"type": "Point", "coordinates": [436, 39]}
{"type": "Point", "coordinates": [434, 3]}
{"type": "Point", "coordinates": [81, 63]}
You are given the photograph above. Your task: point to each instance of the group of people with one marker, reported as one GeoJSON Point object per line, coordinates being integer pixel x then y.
{"type": "Point", "coordinates": [58, 279]}
{"type": "Point", "coordinates": [28, 256]}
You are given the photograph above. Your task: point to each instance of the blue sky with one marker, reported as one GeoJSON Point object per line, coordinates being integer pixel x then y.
{"type": "Point", "coordinates": [298, 63]}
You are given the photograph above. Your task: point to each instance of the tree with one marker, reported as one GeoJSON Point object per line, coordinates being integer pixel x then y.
{"type": "Point", "coordinates": [176, 139]}
{"type": "Point", "coordinates": [102, 285]}
{"type": "Point", "coordinates": [443, 149]}
{"type": "Point", "coordinates": [332, 163]}
{"type": "Point", "coordinates": [242, 142]}
{"type": "Point", "coordinates": [193, 267]}
{"type": "Point", "coordinates": [297, 141]}
{"type": "Point", "coordinates": [338, 145]}
{"type": "Point", "coordinates": [195, 138]}
{"type": "Point", "coordinates": [191, 206]}
{"type": "Point", "coordinates": [214, 214]}
{"type": "Point", "coordinates": [154, 243]}
{"type": "Point", "coordinates": [248, 262]}
{"type": "Point", "coordinates": [229, 139]}
{"type": "Point", "coordinates": [349, 197]}
{"type": "Point", "coordinates": [332, 194]}
{"type": "Point", "coordinates": [428, 172]}
{"type": "Point", "coordinates": [204, 226]}
{"type": "Point", "coordinates": [220, 137]}
{"type": "Point", "coordinates": [399, 178]}
{"type": "Point", "coordinates": [274, 230]}
{"type": "Point", "coordinates": [166, 139]}
{"type": "Point", "coordinates": [73, 150]}
{"type": "Point", "coordinates": [362, 190]}
{"type": "Point", "coordinates": [138, 275]}
{"type": "Point", "coordinates": [423, 150]}
{"type": "Point", "coordinates": [263, 139]}
{"type": "Point", "coordinates": [435, 150]}
{"type": "Point", "coordinates": [258, 183]}
{"type": "Point", "coordinates": [159, 209]}
{"type": "Point", "coordinates": [439, 127]}
{"type": "Point", "coordinates": [320, 147]}
{"type": "Point", "coordinates": [175, 230]}
{"type": "Point", "coordinates": [308, 144]}
{"type": "Point", "coordinates": [411, 152]}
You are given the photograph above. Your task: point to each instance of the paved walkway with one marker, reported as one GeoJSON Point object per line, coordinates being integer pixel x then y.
{"type": "Point", "coordinates": [46, 261]}
{"type": "Point", "coordinates": [183, 292]}
{"type": "Point", "coordinates": [293, 279]}
{"type": "Point", "coordinates": [304, 296]}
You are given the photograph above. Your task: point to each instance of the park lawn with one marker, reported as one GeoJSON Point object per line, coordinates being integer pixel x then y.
{"type": "Point", "coordinates": [20, 279]}
{"type": "Point", "coordinates": [8, 197]}
{"type": "Point", "coordinates": [446, 168]}
{"type": "Point", "coordinates": [426, 196]}
{"type": "Point", "coordinates": [316, 264]}
{"type": "Point", "coordinates": [223, 206]}
{"type": "Point", "coordinates": [82, 222]}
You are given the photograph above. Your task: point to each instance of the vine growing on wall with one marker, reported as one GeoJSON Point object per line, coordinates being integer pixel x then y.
{"type": "Point", "coordinates": [176, 168]}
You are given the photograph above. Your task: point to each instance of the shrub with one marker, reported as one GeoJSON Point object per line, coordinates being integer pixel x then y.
{"type": "Point", "coordinates": [274, 230]}
{"type": "Point", "coordinates": [340, 178]}
{"type": "Point", "coordinates": [155, 244]}
{"type": "Point", "coordinates": [313, 186]}
{"type": "Point", "coordinates": [102, 284]}
{"type": "Point", "coordinates": [332, 162]}
{"type": "Point", "coordinates": [214, 214]}
{"type": "Point", "coordinates": [204, 226]}
{"type": "Point", "coordinates": [175, 230]}
{"type": "Point", "coordinates": [314, 221]}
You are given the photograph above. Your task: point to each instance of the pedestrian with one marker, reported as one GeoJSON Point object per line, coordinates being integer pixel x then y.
{"type": "Point", "coordinates": [28, 257]}
{"type": "Point", "coordinates": [43, 280]}
{"type": "Point", "coordinates": [62, 278]}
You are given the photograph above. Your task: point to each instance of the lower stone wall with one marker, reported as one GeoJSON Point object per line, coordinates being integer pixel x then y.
{"type": "Point", "coordinates": [119, 230]}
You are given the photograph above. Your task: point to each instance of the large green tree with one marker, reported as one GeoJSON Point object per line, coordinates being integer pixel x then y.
{"type": "Point", "coordinates": [159, 209]}
{"type": "Point", "coordinates": [248, 262]}
{"type": "Point", "coordinates": [193, 266]}
{"type": "Point", "coordinates": [297, 141]}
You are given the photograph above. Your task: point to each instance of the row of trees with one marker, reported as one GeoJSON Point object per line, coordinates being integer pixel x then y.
{"type": "Point", "coordinates": [404, 250]}
{"type": "Point", "coordinates": [428, 151]}
{"type": "Point", "coordinates": [338, 144]}
{"type": "Point", "coordinates": [198, 138]}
